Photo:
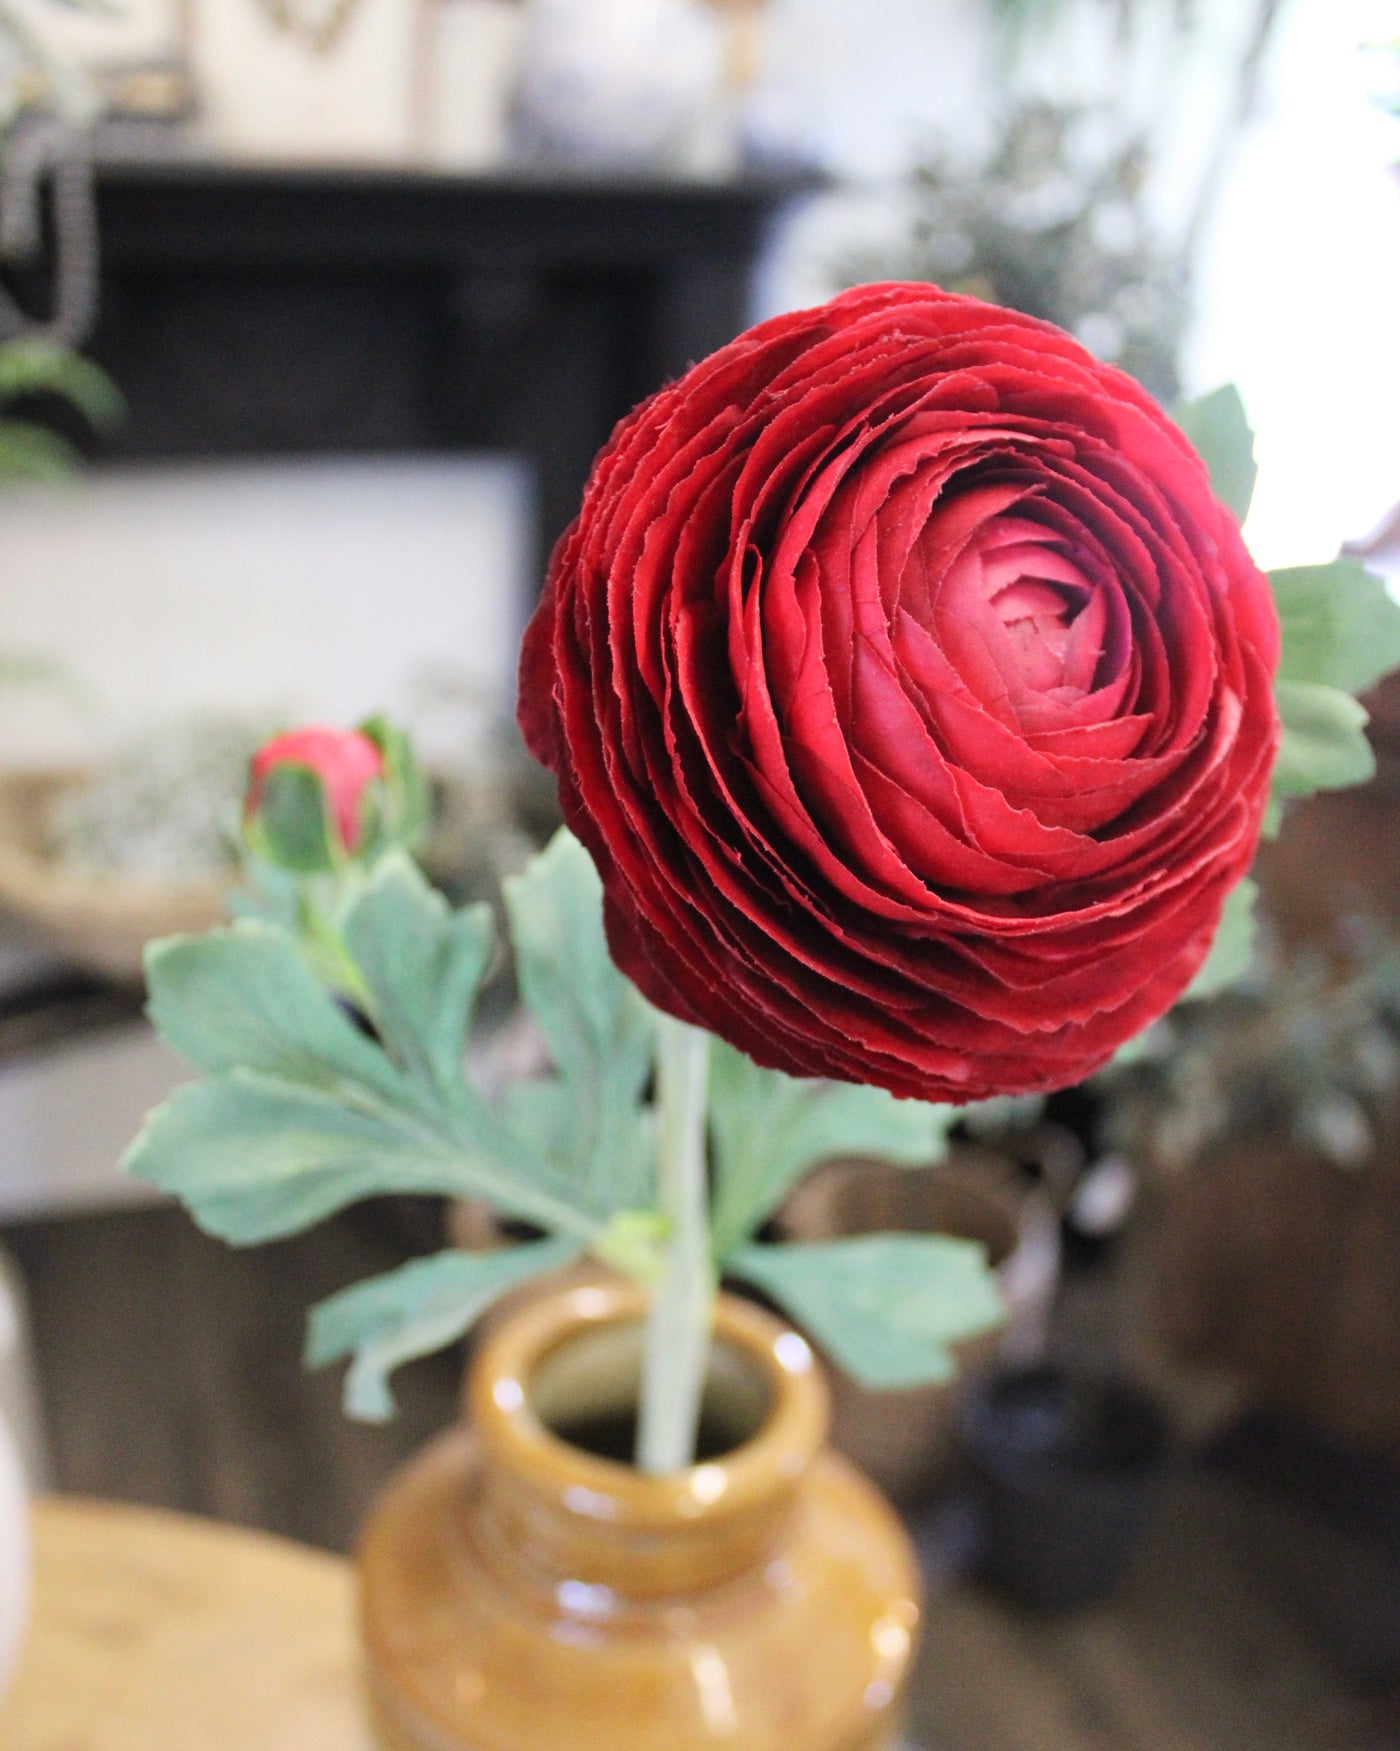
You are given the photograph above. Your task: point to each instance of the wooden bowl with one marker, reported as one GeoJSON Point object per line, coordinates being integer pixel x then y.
{"type": "Point", "coordinates": [98, 922]}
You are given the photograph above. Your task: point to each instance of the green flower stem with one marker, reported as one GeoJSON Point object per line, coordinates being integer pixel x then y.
{"type": "Point", "coordinates": [325, 945]}
{"type": "Point", "coordinates": [676, 1352]}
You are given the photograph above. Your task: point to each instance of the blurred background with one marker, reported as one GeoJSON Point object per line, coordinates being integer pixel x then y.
{"type": "Point", "coordinates": [312, 316]}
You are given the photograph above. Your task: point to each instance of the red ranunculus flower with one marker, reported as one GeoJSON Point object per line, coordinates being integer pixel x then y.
{"type": "Point", "coordinates": [346, 763]}
{"type": "Point", "coordinates": [913, 694]}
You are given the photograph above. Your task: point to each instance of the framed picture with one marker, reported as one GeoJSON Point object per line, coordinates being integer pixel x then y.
{"type": "Point", "coordinates": [309, 80]}
{"type": "Point", "coordinates": [136, 52]}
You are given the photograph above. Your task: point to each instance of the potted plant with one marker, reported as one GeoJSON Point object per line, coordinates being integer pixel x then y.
{"type": "Point", "coordinates": [1063, 1463]}
{"type": "Point", "coordinates": [1265, 1123]}
{"type": "Point", "coordinates": [355, 955]}
{"type": "Point", "coordinates": [911, 700]}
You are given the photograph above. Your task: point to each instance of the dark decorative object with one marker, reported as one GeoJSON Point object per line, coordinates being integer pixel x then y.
{"type": "Point", "coordinates": [1062, 1468]}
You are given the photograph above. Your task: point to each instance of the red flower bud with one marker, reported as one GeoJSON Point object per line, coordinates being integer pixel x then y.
{"type": "Point", "coordinates": [346, 763]}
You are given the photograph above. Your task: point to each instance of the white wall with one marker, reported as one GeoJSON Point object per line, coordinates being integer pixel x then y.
{"type": "Point", "coordinates": [1299, 282]}
{"type": "Point", "coordinates": [1298, 277]}
{"type": "Point", "coordinates": [309, 590]}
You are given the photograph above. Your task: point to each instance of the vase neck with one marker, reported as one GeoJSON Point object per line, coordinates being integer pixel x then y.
{"type": "Point", "coordinates": [594, 1530]}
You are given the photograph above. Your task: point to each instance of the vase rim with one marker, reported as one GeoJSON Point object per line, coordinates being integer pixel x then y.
{"type": "Point", "coordinates": [769, 1464]}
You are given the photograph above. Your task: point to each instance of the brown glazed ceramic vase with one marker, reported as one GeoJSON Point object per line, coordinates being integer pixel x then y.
{"type": "Point", "coordinates": [521, 1593]}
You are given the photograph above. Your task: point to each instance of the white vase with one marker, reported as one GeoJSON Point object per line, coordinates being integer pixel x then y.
{"type": "Point", "coordinates": [14, 1555]}
{"type": "Point", "coordinates": [622, 85]}
{"type": "Point", "coordinates": [19, 1432]}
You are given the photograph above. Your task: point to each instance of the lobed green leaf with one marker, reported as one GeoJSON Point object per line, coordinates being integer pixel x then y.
{"type": "Point", "coordinates": [244, 998]}
{"type": "Point", "coordinates": [321, 1114]}
{"type": "Point", "coordinates": [1219, 431]}
{"type": "Point", "coordinates": [768, 1130]}
{"type": "Point", "coordinates": [1340, 627]}
{"type": "Point", "coordinates": [885, 1307]}
{"type": "Point", "coordinates": [422, 965]}
{"type": "Point", "coordinates": [413, 1311]}
{"type": "Point", "coordinates": [600, 1032]}
{"type": "Point", "coordinates": [255, 1158]}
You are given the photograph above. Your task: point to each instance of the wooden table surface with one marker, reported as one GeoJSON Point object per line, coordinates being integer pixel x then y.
{"type": "Point", "coordinates": [158, 1632]}
{"type": "Point", "coordinates": [161, 1632]}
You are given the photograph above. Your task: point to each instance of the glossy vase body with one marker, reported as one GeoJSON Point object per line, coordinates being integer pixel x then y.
{"type": "Point", "coordinates": [519, 1593]}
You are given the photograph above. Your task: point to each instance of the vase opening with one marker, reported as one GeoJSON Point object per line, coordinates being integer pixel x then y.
{"type": "Point", "coordinates": [585, 1393]}
{"type": "Point", "coordinates": [525, 1587]}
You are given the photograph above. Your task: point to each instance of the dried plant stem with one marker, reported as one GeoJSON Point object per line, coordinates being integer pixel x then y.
{"type": "Point", "coordinates": [677, 1340]}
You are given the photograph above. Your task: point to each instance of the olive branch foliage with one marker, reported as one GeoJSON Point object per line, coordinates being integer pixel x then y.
{"type": "Point", "coordinates": [307, 1104]}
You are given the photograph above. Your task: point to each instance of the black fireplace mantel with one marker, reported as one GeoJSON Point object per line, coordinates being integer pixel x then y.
{"type": "Point", "coordinates": [256, 311]}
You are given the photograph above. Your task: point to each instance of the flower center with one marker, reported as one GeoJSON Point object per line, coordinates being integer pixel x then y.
{"type": "Point", "coordinates": [1037, 617]}
{"type": "Point", "coordinates": [1026, 629]}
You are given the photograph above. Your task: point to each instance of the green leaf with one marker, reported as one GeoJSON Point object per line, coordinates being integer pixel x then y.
{"type": "Point", "coordinates": [885, 1307]}
{"type": "Point", "coordinates": [768, 1130]}
{"type": "Point", "coordinates": [40, 368]}
{"type": "Point", "coordinates": [1340, 626]}
{"type": "Point", "coordinates": [1229, 955]}
{"type": "Point", "coordinates": [291, 825]}
{"type": "Point", "coordinates": [244, 998]}
{"type": "Point", "coordinates": [411, 1312]}
{"type": "Point", "coordinates": [304, 1113]}
{"type": "Point", "coordinates": [599, 1030]}
{"type": "Point", "coordinates": [1324, 746]}
{"type": "Point", "coordinates": [1219, 431]}
{"type": "Point", "coordinates": [422, 965]}
{"type": "Point", "coordinates": [254, 1158]}
{"type": "Point", "coordinates": [543, 1113]}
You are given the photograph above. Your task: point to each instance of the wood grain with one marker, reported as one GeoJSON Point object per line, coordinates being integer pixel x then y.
{"type": "Point", "coordinates": [171, 1373]}
{"type": "Point", "coordinates": [171, 1369]}
{"type": "Point", "coordinates": [154, 1632]}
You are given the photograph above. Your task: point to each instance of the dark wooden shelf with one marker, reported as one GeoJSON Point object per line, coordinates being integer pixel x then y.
{"type": "Point", "coordinates": [205, 212]}
{"type": "Point", "coordinates": [255, 311]}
